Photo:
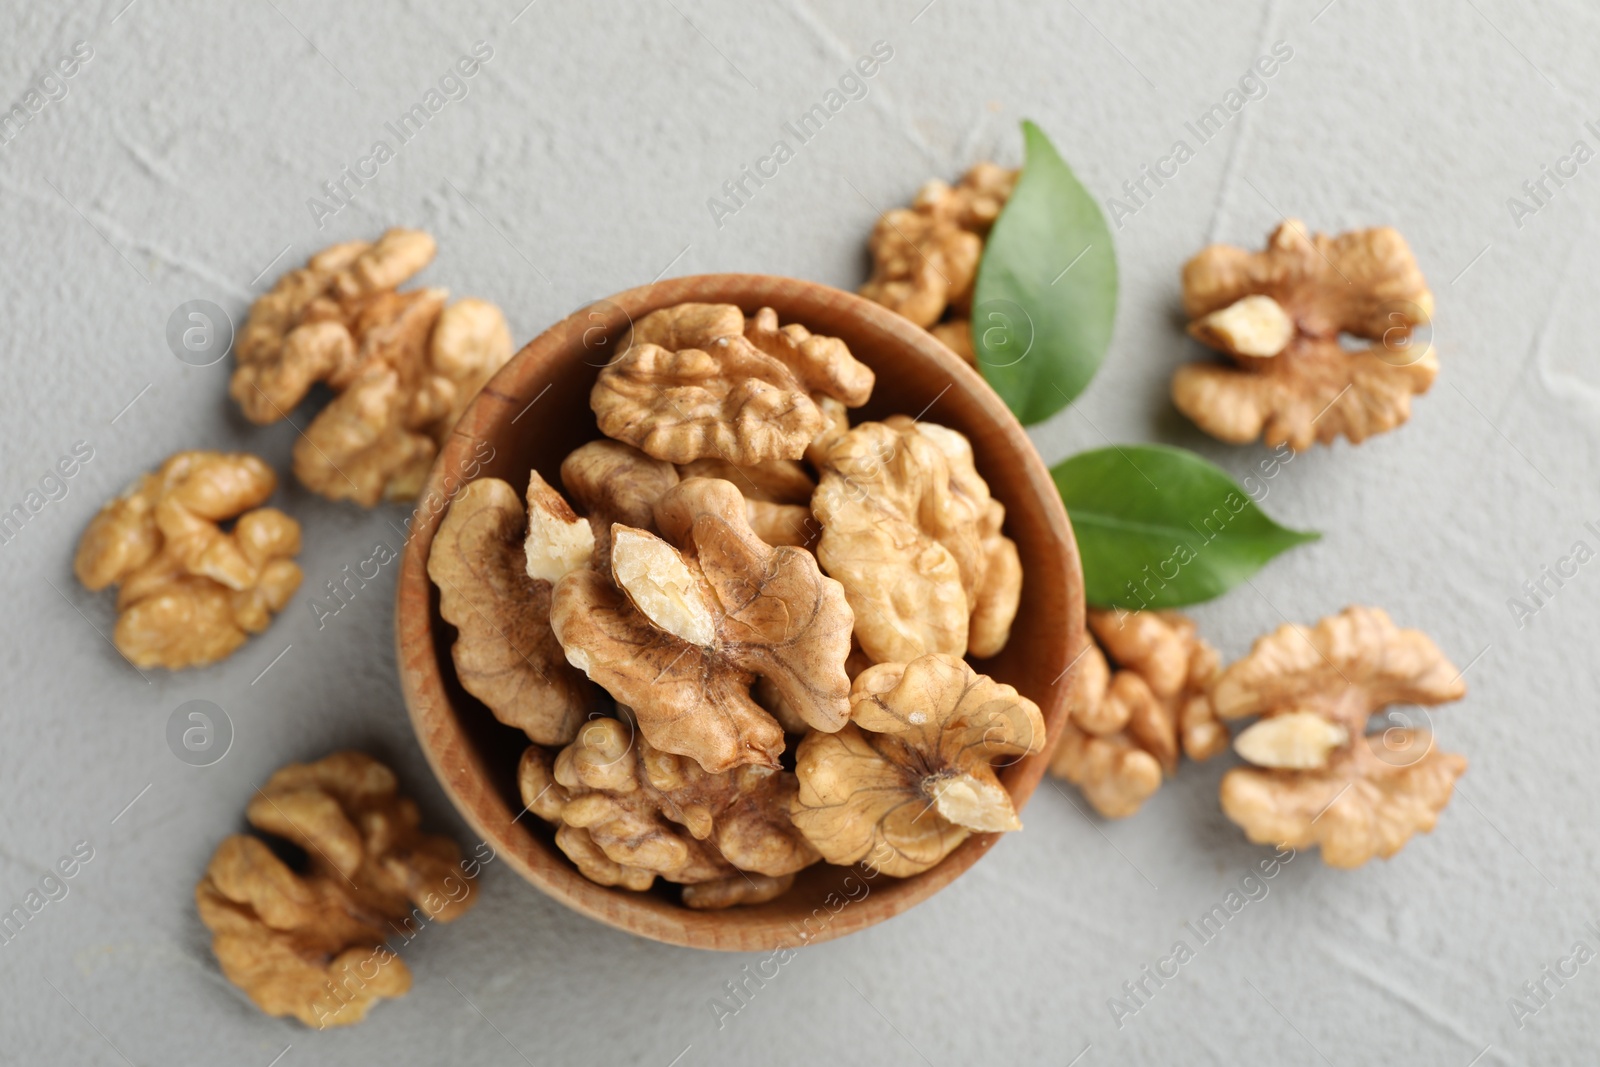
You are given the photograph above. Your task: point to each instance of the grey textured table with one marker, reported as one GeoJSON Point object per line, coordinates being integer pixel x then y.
{"type": "Point", "coordinates": [178, 166]}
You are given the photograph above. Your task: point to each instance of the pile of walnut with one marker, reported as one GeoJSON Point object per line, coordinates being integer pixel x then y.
{"type": "Point", "coordinates": [1279, 315]}
{"type": "Point", "coordinates": [403, 365]}
{"type": "Point", "coordinates": [1317, 776]}
{"type": "Point", "coordinates": [744, 574]}
{"type": "Point", "coordinates": [188, 591]}
{"type": "Point", "coordinates": [308, 940]}
{"type": "Point", "coordinates": [925, 257]}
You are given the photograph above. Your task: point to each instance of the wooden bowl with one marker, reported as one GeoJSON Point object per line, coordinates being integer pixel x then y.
{"type": "Point", "coordinates": [536, 411]}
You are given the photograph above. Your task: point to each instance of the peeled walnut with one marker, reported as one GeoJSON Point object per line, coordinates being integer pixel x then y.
{"type": "Point", "coordinates": [189, 592]}
{"type": "Point", "coordinates": [1280, 313]}
{"type": "Point", "coordinates": [494, 569]}
{"type": "Point", "coordinates": [628, 813]}
{"type": "Point", "coordinates": [693, 381]}
{"type": "Point", "coordinates": [404, 365]}
{"type": "Point", "coordinates": [615, 483]}
{"type": "Point", "coordinates": [691, 620]}
{"type": "Point", "coordinates": [1320, 778]}
{"type": "Point", "coordinates": [310, 943]}
{"type": "Point", "coordinates": [910, 776]}
{"type": "Point", "coordinates": [910, 530]}
{"type": "Point", "coordinates": [1125, 729]}
{"type": "Point", "coordinates": [925, 257]}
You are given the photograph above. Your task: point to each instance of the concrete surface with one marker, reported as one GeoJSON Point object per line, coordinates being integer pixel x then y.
{"type": "Point", "coordinates": [178, 166]}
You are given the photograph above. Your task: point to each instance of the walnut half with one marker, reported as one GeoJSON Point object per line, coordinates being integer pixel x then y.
{"type": "Point", "coordinates": [403, 366]}
{"type": "Point", "coordinates": [914, 536]}
{"type": "Point", "coordinates": [911, 776]}
{"type": "Point", "coordinates": [1126, 728]}
{"type": "Point", "coordinates": [1320, 777]}
{"type": "Point", "coordinates": [681, 627]}
{"type": "Point", "coordinates": [310, 943]}
{"type": "Point", "coordinates": [1279, 314]}
{"type": "Point", "coordinates": [482, 561]}
{"type": "Point", "coordinates": [189, 593]}
{"type": "Point", "coordinates": [696, 381]}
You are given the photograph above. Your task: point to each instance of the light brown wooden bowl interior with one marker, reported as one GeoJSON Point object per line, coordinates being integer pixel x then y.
{"type": "Point", "coordinates": [536, 411]}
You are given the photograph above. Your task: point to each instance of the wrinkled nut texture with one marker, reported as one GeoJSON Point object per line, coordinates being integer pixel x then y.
{"type": "Point", "coordinates": [835, 424]}
{"type": "Point", "coordinates": [470, 343]}
{"type": "Point", "coordinates": [910, 530]}
{"type": "Point", "coordinates": [297, 335]}
{"type": "Point", "coordinates": [683, 326]}
{"type": "Point", "coordinates": [189, 593]}
{"type": "Point", "coordinates": [1109, 768]}
{"type": "Point", "coordinates": [1126, 728]}
{"type": "Point", "coordinates": [292, 943]}
{"type": "Point", "coordinates": [735, 890]}
{"type": "Point", "coordinates": [1164, 651]}
{"type": "Point", "coordinates": [768, 696]}
{"type": "Point", "coordinates": [925, 257]}
{"type": "Point", "coordinates": [311, 943]}
{"type": "Point", "coordinates": [615, 483]}
{"type": "Point", "coordinates": [1280, 313]}
{"type": "Point", "coordinates": [346, 812]}
{"type": "Point", "coordinates": [1355, 794]}
{"type": "Point", "coordinates": [694, 381]}
{"type": "Point", "coordinates": [504, 652]}
{"type": "Point", "coordinates": [733, 402]}
{"type": "Point", "coordinates": [823, 365]}
{"type": "Point", "coordinates": [780, 481]}
{"type": "Point", "coordinates": [911, 775]}
{"type": "Point", "coordinates": [629, 813]}
{"type": "Point", "coordinates": [682, 626]}
{"type": "Point", "coordinates": [404, 365]}
{"type": "Point", "coordinates": [777, 497]}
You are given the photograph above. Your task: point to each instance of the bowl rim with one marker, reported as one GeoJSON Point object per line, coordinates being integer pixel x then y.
{"type": "Point", "coordinates": [451, 754]}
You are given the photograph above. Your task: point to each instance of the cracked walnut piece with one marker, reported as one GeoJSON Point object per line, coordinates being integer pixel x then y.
{"type": "Point", "coordinates": [189, 593]}
{"type": "Point", "coordinates": [910, 530]}
{"type": "Point", "coordinates": [1125, 729]}
{"type": "Point", "coordinates": [483, 561]}
{"type": "Point", "coordinates": [925, 257]}
{"type": "Point", "coordinates": [696, 381]}
{"type": "Point", "coordinates": [310, 943]}
{"type": "Point", "coordinates": [403, 365]}
{"type": "Point", "coordinates": [1320, 778]}
{"type": "Point", "coordinates": [1280, 313]}
{"type": "Point", "coordinates": [910, 776]}
{"type": "Point", "coordinates": [628, 813]}
{"type": "Point", "coordinates": [691, 620]}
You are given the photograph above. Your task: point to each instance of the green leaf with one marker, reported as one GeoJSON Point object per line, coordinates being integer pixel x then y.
{"type": "Point", "coordinates": [1160, 527]}
{"type": "Point", "coordinates": [1046, 295]}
